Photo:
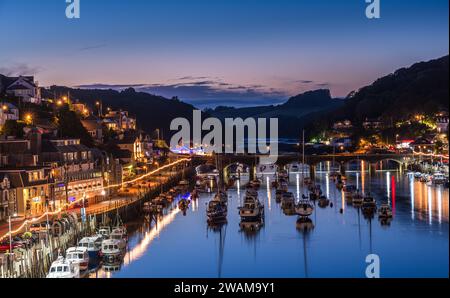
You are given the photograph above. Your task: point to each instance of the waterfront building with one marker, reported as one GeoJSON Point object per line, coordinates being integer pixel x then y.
{"type": "Point", "coordinates": [26, 191]}
{"type": "Point", "coordinates": [75, 170]}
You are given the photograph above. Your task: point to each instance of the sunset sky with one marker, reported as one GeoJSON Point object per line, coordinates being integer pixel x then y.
{"type": "Point", "coordinates": [211, 52]}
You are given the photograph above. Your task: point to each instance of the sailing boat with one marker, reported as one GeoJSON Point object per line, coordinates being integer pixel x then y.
{"type": "Point", "coordinates": [217, 209]}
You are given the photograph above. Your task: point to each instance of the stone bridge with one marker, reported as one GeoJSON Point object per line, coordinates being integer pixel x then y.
{"type": "Point", "coordinates": [313, 160]}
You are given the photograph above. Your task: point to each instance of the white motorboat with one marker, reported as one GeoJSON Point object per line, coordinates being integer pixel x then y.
{"type": "Point", "coordinates": [93, 245]}
{"type": "Point", "coordinates": [78, 255]}
{"type": "Point", "coordinates": [304, 208]}
{"type": "Point", "coordinates": [62, 268]}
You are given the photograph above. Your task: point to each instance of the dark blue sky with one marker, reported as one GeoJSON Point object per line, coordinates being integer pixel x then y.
{"type": "Point", "coordinates": [220, 51]}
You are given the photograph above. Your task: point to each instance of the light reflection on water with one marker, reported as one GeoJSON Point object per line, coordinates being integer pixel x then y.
{"type": "Point", "coordinates": [414, 244]}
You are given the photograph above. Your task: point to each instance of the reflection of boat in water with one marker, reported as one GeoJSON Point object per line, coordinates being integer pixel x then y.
{"type": "Point", "coordinates": [252, 209]}
{"type": "Point", "coordinates": [111, 267]}
{"type": "Point", "coordinates": [304, 208]}
{"type": "Point", "coordinates": [304, 224]}
{"type": "Point", "coordinates": [251, 228]}
{"type": "Point", "coordinates": [385, 221]}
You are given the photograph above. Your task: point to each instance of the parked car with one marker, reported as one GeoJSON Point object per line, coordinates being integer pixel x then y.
{"type": "Point", "coordinates": [4, 246]}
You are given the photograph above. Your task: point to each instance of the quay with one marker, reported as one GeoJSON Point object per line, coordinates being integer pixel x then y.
{"type": "Point", "coordinates": [34, 260]}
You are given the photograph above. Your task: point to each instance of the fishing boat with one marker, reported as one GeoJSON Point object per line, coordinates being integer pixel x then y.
{"type": "Point", "coordinates": [304, 208]}
{"type": "Point", "coordinates": [104, 232]}
{"type": "Point", "coordinates": [439, 178]}
{"type": "Point", "coordinates": [385, 211]}
{"type": "Point", "coordinates": [369, 202]}
{"type": "Point", "coordinates": [323, 202]}
{"type": "Point", "coordinates": [183, 204]}
{"type": "Point", "coordinates": [79, 256]}
{"type": "Point", "coordinates": [112, 249]}
{"type": "Point", "coordinates": [252, 210]}
{"type": "Point", "coordinates": [216, 211]}
{"type": "Point", "coordinates": [62, 268]}
{"type": "Point", "coordinates": [119, 233]}
{"type": "Point", "coordinates": [93, 245]}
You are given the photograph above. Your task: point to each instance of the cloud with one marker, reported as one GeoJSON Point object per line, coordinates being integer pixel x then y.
{"type": "Point", "coordinates": [20, 69]}
{"type": "Point", "coordinates": [207, 92]}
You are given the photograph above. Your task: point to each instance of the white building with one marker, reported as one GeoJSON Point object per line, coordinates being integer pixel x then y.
{"type": "Point", "coordinates": [26, 89]}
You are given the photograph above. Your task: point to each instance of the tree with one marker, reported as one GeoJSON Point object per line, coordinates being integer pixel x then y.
{"type": "Point", "coordinates": [69, 125]}
{"type": "Point", "coordinates": [13, 128]}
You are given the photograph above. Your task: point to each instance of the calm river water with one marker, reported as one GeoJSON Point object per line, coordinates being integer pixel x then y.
{"type": "Point", "coordinates": [414, 244]}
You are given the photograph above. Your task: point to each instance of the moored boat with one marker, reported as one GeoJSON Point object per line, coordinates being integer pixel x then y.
{"type": "Point", "coordinates": [385, 211]}
{"type": "Point", "coordinates": [93, 245]}
{"type": "Point", "coordinates": [304, 208]}
{"type": "Point", "coordinates": [79, 256]}
{"type": "Point", "coordinates": [62, 268]}
{"type": "Point", "coordinates": [252, 209]}
{"type": "Point", "coordinates": [112, 249]}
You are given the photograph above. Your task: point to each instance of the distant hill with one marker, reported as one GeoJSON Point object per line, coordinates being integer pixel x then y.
{"type": "Point", "coordinates": [294, 114]}
{"type": "Point", "coordinates": [152, 111]}
{"type": "Point", "coordinates": [421, 88]}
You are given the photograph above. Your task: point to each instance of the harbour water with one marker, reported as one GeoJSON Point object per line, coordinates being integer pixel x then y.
{"type": "Point", "coordinates": [414, 244]}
